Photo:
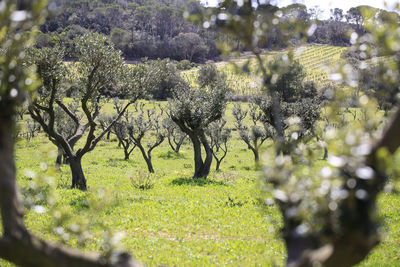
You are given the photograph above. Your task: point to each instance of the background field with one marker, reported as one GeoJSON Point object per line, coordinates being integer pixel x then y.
{"type": "Point", "coordinates": [317, 61]}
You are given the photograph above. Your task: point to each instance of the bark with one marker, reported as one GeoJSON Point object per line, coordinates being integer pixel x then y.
{"type": "Point", "coordinates": [147, 158]}
{"type": "Point", "coordinates": [78, 177]}
{"type": "Point", "coordinates": [178, 144]}
{"type": "Point", "coordinates": [178, 147]}
{"type": "Point", "coordinates": [59, 159]}
{"type": "Point", "coordinates": [256, 155]}
{"type": "Point", "coordinates": [218, 164]}
{"type": "Point", "coordinates": [198, 160]}
{"type": "Point", "coordinates": [205, 170]}
{"type": "Point", "coordinates": [62, 157]}
{"type": "Point", "coordinates": [10, 203]}
{"type": "Point", "coordinates": [126, 154]}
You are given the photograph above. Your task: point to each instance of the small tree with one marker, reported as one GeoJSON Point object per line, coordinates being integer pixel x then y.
{"type": "Point", "coordinates": [32, 128]}
{"type": "Point", "coordinates": [99, 66]}
{"type": "Point", "coordinates": [193, 110]}
{"type": "Point", "coordinates": [219, 136]}
{"type": "Point", "coordinates": [255, 135]}
{"type": "Point", "coordinates": [120, 130]}
{"type": "Point", "coordinates": [22, 110]}
{"type": "Point", "coordinates": [145, 124]}
{"type": "Point", "coordinates": [175, 136]}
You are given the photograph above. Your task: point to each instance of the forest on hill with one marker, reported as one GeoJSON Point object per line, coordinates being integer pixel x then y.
{"type": "Point", "coordinates": [158, 29]}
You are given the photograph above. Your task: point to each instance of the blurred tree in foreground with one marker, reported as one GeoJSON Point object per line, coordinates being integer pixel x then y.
{"type": "Point", "coordinates": [329, 212]}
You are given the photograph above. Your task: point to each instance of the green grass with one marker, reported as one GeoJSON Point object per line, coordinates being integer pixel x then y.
{"type": "Point", "coordinates": [180, 221]}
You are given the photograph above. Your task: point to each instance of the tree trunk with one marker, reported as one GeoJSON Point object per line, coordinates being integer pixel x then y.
{"type": "Point", "coordinates": [11, 211]}
{"type": "Point", "coordinates": [198, 160]}
{"type": "Point", "coordinates": [256, 156]}
{"type": "Point", "coordinates": [149, 165]}
{"type": "Point", "coordinates": [218, 164]}
{"type": "Point", "coordinates": [209, 155]}
{"type": "Point", "coordinates": [171, 145]}
{"type": "Point", "coordinates": [65, 159]}
{"type": "Point", "coordinates": [178, 147]}
{"type": "Point", "coordinates": [78, 178]}
{"type": "Point", "coordinates": [59, 159]}
{"type": "Point", "coordinates": [126, 157]}
{"type": "Point", "coordinates": [325, 153]}
{"type": "Point", "coordinates": [147, 159]}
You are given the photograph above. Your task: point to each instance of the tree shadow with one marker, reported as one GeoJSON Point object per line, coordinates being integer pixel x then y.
{"type": "Point", "coordinates": [171, 155]}
{"type": "Point", "coordinates": [195, 181]}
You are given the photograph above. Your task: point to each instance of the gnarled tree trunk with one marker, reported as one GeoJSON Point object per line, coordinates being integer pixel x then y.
{"type": "Point", "coordinates": [78, 177]}
{"type": "Point", "coordinates": [147, 159]}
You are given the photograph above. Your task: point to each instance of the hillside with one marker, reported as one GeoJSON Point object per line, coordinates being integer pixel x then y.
{"type": "Point", "coordinates": [316, 59]}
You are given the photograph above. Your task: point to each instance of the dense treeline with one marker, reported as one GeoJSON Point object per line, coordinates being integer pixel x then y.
{"type": "Point", "coordinates": [153, 29]}
{"type": "Point", "coordinates": [158, 29]}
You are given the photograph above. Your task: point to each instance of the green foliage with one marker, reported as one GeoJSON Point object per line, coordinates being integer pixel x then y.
{"type": "Point", "coordinates": [297, 99]}
{"type": "Point", "coordinates": [163, 78]}
{"type": "Point", "coordinates": [14, 24]}
{"type": "Point", "coordinates": [98, 67]}
{"type": "Point", "coordinates": [185, 65]}
{"type": "Point", "coordinates": [198, 108]}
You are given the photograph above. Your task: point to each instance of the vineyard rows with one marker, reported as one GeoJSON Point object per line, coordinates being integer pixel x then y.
{"type": "Point", "coordinates": [316, 59]}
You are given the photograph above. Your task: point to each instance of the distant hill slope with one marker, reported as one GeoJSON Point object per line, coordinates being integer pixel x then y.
{"type": "Point", "coordinates": [316, 59]}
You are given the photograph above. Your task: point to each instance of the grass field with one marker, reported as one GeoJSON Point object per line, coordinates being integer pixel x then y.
{"type": "Point", "coordinates": [179, 222]}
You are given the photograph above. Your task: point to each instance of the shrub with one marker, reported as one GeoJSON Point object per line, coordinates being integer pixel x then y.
{"type": "Point", "coordinates": [142, 180]}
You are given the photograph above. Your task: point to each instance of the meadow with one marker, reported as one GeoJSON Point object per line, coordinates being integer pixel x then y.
{"type": "Point", "coordinates": [221, 220]}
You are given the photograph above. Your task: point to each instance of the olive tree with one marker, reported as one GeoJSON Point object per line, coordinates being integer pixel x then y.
{"type": "Point", "coordinates": [219, 135]}
{"type": "Point", "coordinates": [17, 244]}
{"type": "Point", "coordinates": [145, 124]}
{"type": "Point", "coordinates": [255, 134]}
{"type": "Point", "coordinates": [175, 136]}
{"type": "Point", "coordinates": [193, 110]}
{"type": "Point", "coordinates": [99, 66]}
{"type": "Point", "coordinates": [32, 128]}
